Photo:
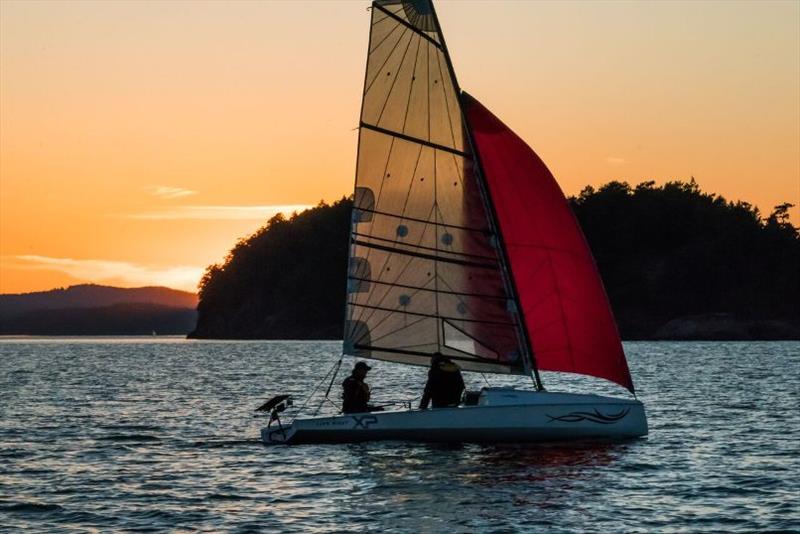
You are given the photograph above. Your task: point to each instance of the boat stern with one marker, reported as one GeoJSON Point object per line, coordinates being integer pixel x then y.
{"type": "Point", "coordinates": [277, 435]}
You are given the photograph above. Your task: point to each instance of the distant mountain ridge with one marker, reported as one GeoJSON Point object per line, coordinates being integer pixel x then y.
{"type": "Point", "coordinates": [93, 296]}
{"type": "Point", "coordinates": [91, 309]}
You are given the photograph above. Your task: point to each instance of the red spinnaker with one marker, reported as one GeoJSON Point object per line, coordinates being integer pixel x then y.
{"type": "Point", "coordinates": [569, 320]}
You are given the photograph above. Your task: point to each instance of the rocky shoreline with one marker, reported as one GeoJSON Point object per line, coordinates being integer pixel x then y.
{"type": "Point", "coordinates": [727, 327]}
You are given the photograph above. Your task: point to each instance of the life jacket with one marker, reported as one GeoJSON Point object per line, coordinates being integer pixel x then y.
{"type": "Point", "coordinates": [355, 395]}
{"type": "Point", "coordinates": [445, 385]}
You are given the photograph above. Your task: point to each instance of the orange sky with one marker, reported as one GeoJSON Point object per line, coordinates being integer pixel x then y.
{"type": "Point", "coordinates": [139, 140]}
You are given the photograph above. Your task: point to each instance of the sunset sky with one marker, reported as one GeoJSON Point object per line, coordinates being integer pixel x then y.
{"type": "Point", "coordinates": [139, 140]}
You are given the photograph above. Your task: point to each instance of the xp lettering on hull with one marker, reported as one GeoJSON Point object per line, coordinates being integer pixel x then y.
{"type": "Point", "coordinates": [364, 421]}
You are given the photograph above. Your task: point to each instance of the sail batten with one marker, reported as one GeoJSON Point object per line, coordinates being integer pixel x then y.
{"type": "Point", "coordinates": [441, 254]}
{"type": "Point", "coordinates": [484, 231]}
{"type": "Point", "coordinates": [407, 24]}
{"type": "Point", "coordinates": [437, 258]}
{"type": "Point", "coordinates": [422, 288]}
{"type": "Point", "coordinates": [416, 140]}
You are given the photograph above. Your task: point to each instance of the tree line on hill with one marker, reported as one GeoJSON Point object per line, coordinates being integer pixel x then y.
{"type": "Point", "coordinates": [91, 309]}
{"type": "Point", "coordinates": [677, 263]}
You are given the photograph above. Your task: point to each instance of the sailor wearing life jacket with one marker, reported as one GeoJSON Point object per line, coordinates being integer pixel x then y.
{"type": "Point", "coordinates": [445, 384]}
{"type": "Point", "coordinates": [355, 392]}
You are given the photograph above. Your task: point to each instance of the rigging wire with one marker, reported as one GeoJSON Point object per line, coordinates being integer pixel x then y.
{"type": "Point", "coordinates": [335, 370]}
{"type": "Point", "coordinates": [335, 366]}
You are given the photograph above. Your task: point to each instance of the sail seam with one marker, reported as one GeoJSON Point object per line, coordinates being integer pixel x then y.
{"type": "Point", "coordinates": [446, 103]}
{"type": "Point", "coordinates": [432, 316]}
{"type": "Point", "coordinates": [431, 257]}
{"type": "Point", "coordinates": [485, 231]}
{"type": "Point", "coordinates": [374, 48]}
{"type": "Point", "coordinates": [394, 80]}
{"type": "Point", "coordinates": [408, 25]}
{"type": "Point", "coordinates": [379, 20]}
{"type": "Point", "coordinates": [416, 140]}
{"type": "Point", "coordinates": [411, 85]}
{"type": "Point", "coordinates": [385, 61]}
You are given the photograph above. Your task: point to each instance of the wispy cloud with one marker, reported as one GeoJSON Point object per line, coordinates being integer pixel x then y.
{"type": "Point", "coordinates": [116, 272]}
{"type": "Point", "coordinates": [615, 161]}
{"type": "Point", "coordinates": [220, 212]}
{"type": "Point", "coordinates": [163, 191]}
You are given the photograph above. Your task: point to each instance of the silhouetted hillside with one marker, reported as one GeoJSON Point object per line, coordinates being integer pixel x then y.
{"type": "Point", "coordinates": [677, 264]}
{"type": "Point", "coordinates": [673, 254]}
{"type": "Point", "coordinates": [91, 309]}
{"type": "Point", "coordinates": [92, 296]}
{"type": "Point", "coordinates": [285, 281]}
{"type": "Point", "coordinates": [128, 319]}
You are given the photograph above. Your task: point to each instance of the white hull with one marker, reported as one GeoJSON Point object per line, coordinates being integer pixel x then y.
{"type": "Point", "coordinates": [502, 415]}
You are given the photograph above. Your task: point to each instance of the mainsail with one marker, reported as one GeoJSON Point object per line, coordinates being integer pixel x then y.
{"type": "Point", "coordinates": [426, 272]}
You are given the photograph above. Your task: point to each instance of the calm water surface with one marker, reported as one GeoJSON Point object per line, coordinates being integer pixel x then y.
{"type": "Point", "coordinates": [150, 434]}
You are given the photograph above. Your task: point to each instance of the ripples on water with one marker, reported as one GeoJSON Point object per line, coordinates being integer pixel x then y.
{"type": "Point", "coordinates": [155, 434]}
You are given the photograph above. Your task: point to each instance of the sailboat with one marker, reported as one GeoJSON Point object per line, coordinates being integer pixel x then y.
{"type": "Point", "coordinates": [462, 243]}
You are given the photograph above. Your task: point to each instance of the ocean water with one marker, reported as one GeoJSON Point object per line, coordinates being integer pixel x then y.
{"type": "Point", "coordinates": [158, 434]}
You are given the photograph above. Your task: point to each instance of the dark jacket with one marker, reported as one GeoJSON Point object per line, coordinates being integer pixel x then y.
{"type": "Point", "coordinates": [444, 386]}
{"type": "Point", "coordinates": [355, 395]}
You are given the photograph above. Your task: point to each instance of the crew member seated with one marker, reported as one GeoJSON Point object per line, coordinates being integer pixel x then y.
{"type": "Point", "coordinates": [445, 384]}
{"type": "Point", "coordinates": [355, 392]}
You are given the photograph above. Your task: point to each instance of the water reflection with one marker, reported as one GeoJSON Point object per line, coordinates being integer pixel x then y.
{"type": "Point", "coordinates": [117, 435]}
{"type": "Point", "coordinates": [439, 483]}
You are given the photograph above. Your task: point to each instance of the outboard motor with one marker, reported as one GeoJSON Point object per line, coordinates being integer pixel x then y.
{"type": "Point", "coordinates": [275, 406]}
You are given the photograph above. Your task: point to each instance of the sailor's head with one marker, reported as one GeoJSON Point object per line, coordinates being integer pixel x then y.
{"type": "Point", "coordinates": [360, 369]}
{"type": "Point", "coordinates": [437, 358]}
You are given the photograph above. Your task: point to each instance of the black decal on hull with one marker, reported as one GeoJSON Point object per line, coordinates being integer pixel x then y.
{"type": "Point", "coordinates": [594, 417]}
{"type": "Point", "coordinates": [364, 421]}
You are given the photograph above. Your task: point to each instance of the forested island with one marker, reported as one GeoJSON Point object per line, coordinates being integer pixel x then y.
{"type": "Point", "coordinates": [677, 263]}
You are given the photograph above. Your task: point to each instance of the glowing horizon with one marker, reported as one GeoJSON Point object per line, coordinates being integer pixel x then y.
{"type": "Point", "coordinates": [140, 140]}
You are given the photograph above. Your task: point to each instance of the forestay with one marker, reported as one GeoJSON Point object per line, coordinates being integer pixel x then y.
{"type": "Point", "coordinates": [425, 270]}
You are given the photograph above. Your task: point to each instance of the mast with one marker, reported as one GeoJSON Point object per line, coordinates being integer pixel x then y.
{"type": "Point", "coordinates": [528, 356]}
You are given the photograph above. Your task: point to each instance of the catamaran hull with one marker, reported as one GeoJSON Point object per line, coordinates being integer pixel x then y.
{"type": "Point", "coordinates": [553, 417]}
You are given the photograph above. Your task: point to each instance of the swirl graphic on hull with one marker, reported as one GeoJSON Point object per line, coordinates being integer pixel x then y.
{"type": "Point", "coordinates": [594, 417]}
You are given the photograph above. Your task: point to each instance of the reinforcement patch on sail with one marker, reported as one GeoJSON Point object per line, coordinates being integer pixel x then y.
{"type": "Point", "coordinates": [570, 324]}
{"type": "Point", "coordinates": [425, 274]}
